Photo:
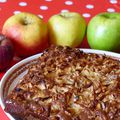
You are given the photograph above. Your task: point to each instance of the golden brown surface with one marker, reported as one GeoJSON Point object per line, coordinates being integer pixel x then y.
{"type": "Point", "coordinates": [67, 84]}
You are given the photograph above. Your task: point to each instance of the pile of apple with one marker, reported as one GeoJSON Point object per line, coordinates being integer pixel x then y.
{"type": "Point", "coordinates": [27, 34]}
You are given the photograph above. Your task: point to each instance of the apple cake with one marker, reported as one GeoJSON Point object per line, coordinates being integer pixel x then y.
{"type": "Point", "coordinates": [68, 84]}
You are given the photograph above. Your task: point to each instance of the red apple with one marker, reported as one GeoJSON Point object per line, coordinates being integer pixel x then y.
{"type": "Point", "coordinates": [6, 52]}
{"type": "Point", "coordinates": [28, 33]}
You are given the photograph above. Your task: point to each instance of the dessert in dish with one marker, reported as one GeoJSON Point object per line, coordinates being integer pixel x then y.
{"type": "Point", "coordinates": [68, 84]}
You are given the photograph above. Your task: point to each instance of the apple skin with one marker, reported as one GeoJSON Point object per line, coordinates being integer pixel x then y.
{"type": "Point", "coordinates": [28, 33]}
{"type": "Point", "coordinates": [67, 29]}
{"type": "Point", "coordinates": [6, 52]}
{"type": "Point", "coordinates": [103, 32]}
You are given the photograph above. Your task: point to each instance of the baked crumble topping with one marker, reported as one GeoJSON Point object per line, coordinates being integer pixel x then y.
{"type": "Point", "coordinates": [68, 84]}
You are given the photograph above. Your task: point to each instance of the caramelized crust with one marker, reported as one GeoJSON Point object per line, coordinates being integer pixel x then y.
{"type": "Point", "coordinates": [68, 84]}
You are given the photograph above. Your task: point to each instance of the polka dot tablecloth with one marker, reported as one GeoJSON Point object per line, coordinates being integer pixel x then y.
{"type": "Point", "coordinates": [46, 8]}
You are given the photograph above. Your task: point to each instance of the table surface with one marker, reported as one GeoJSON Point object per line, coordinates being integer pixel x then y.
{"type": "Point", "coordinates": [46, 8]}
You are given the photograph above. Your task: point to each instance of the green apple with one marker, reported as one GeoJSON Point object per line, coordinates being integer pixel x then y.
{"type": "Point", "coordinates": [103, 32]}
{"type": "Point", "coordinates": [66, 29]}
